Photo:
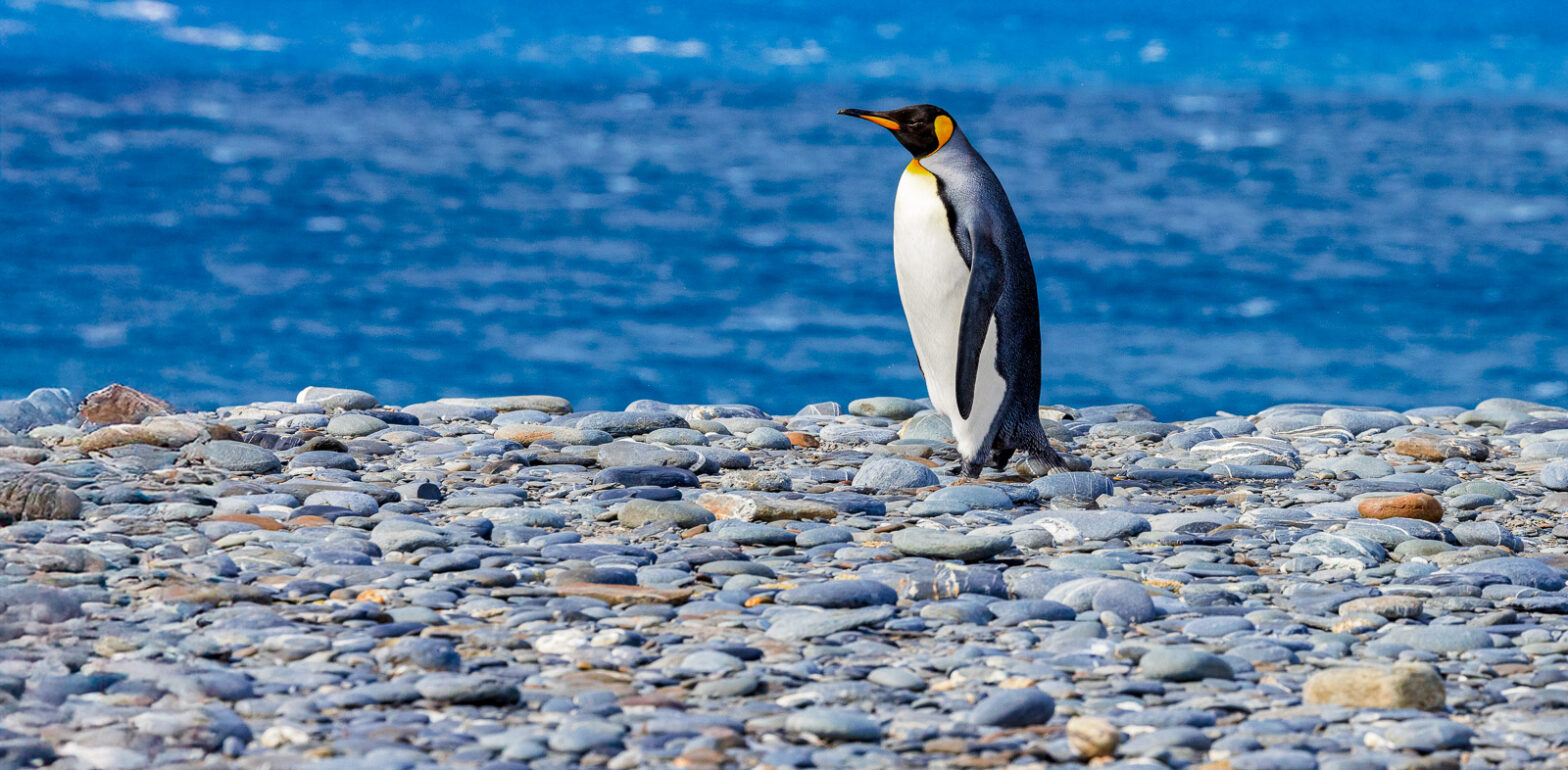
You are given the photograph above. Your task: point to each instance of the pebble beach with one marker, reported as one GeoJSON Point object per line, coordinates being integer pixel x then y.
{"type": "Point", "coordinates": [507, 582]}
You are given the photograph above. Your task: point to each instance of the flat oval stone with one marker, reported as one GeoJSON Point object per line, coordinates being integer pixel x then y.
{"type": "Point", "coordinates": [937, 544]}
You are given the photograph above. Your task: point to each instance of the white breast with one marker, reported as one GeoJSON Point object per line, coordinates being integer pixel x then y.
{"type": "Point", "coordinates": [932, 282]}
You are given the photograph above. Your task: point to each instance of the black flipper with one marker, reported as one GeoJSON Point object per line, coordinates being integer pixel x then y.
{"type": "Point", "coordinates": [985, 290]}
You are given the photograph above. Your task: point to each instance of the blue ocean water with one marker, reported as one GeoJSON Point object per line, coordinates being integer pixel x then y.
{"type": "Point", "coordinates": [1230, 204]}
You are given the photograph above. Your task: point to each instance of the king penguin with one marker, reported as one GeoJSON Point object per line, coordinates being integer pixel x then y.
{"type": "Point", "coordinates": [967, 287]}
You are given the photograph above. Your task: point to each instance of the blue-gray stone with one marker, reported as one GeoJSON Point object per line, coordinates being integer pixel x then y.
{"type": "Point", "coordinates": [1555, 475]}
{"type": "Point", "coordinates": [1215, 627]}
{"type": "Point", "coordinates": [1440, 639]}
{"type": "Point", "coordinates": [1076, 485]}
{"type": "Point", "coordinates": [1014, 708]}
{"type": "Point", "coordinates": [1133, 428]}
{"type": "Point", "coordinates": [241, 457]}
{"type": "Point", "coordinates": [751, 533]}
{"type": "Point", "coordinates": [767, 438]}
{"type": "Point", "coordinates": [1255, 472]}
{"type": "Point", "coordinates": [1091, 525]}
{"type": "Point", "coordinates": [1429, 735]}
{"type": "Point", "coordinates": [1274, 759]}
{"type": "Point", "coordinates": [855, 433]}
{"type": "Point", "coordinates": [883, 473]}
{"type": "Point", "coordinates": [1487, 533]}
{"type": "Point", "coordinates": [647, 477]}
{"type": "Point", "coordinates": [973, 496]}
{"type": "Point", "coordinates": [1493, 489]}
{"type": "Point", "coordinates": [798, 623]}
{"type": "Point", "coordinates": [1015, 611]}
{"type": "Point", "coordinates": [834, 724]}
{"type": "Point", "coordinates": [630, 423]}
{"type": "Point", "coordinates": [1170, 475]}
{"type": "Point", "coordinates": [1360, 419]}
{"type": "Point", "coordinates": [1127, 599]}
{"type": "Point", "coordinates": [939, 544]}
{"type": "Point", "coordinates": [839, 594]}
{"type": "Point", "coordinates": [1180, 664]}
{"type": "Point", "coordinates": [1519, 571]}
{"type": "Point", "coordinates": [1191, 437]}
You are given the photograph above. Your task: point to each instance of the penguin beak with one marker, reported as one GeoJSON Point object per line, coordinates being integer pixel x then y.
{"type": "Point", "coordinates": [875, 117]}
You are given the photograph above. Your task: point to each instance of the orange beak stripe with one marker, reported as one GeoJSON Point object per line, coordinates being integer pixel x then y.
{"type": "Point", "coordinates": [883, 122]}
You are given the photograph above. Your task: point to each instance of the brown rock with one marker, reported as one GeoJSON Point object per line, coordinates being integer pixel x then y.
{"type": "Point", "coordinates": [754, 507]}
{"type": "Point", "coordinates": [33, 498]}
{"type": "Point", "coordinates": [1405, 686]}
{"type": "Point", "coordinates": [1391, 607]}
{"type": "Point", "coordinates": [159, 431]}
{"type": "Point", "coordinates": [118, 404]}
{"type": "Point", "coordinates": [1439, 448]}
{"type": "Point", "coordinates": [1417, 505]}
{"type": "Point", "coordinates": [271, 525]}
{"type": "Point", "coordinates": [1091, 737]}
{"type": "Point", "coordinates": [803, 440]}
{"type": "Point", "coordinates": [619, 594]}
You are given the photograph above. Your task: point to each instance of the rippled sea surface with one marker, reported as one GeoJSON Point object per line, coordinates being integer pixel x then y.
{"type": "Point", "coordinates": [610, 203]}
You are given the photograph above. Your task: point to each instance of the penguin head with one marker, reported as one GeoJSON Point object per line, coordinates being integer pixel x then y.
{"type": "Point", "coordinates": [922, 128]}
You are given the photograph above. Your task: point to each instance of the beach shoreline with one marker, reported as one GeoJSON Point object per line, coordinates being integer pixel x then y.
{"type": "Point", "coordinates": [506, 582]}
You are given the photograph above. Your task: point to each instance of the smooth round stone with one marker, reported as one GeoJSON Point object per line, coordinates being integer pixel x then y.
{"type": "Point", "coordinates": [1440, 639]}
{"type": "Point", "coordinates": [647, 476]}
{"type": "Point", "coordinates": [1016, 611]}
{"type": "Point", "coordinates": [1364, 466]}
{"type": "Point", "coordinates": [752, 533]}
{"type": "Point", "coordinates": [358, 502]}
{"type": "Point", "coordinates": [1486, 533]}
{"type": "Point", "coordinates": [938, 544]}
{"type": "Point", "coordinates": [677, 437]}
{"type": "Point", "coordinates": [1215, 627]}
{"type": "Point", "coordinates": [240, 457]}
{"type": "Point", "coordinates": [852, 433]}
{"type": "Point", "coordinates": [1192, 437]}
{"type": "Point", "coordinates": [834, 724]}
{"type": "Point", "coordinates": [1519, 571]}
{"type": "Point", "coordinates": [824, 536]}
{"type": "Point", "coordinates": [884, 473]}
{"type": "Point", "coordinates": [1429, 735]}
{"type": "Point", "coordinates": [1127, 599]}
{"type": "Point", "coordinates": [683, 514]}
{"type": "Point", "coordinates": [1275, 759]}
{"type": "Point", "coordinates": [712, 662]}
{"type": "Point", "coordinates": [355, 425]}
{"type": "Point", "coordinates": [839, 594]}
{"type": "Point", "coordinates": [1088, 525]}
{"type": "Point", "coordinates": [1014, 708]}
{"type": "Point", "coordinates": [1178, 664]}
{"type": "Point", "coordinates": [1133, 428]}
{"type": "Point", "coordinates": [896, 679]}
{"type": "Point", "coordinates": [622, 424]}
{"type": "Point", "coordinates": [467, 689]}
{"type": "Point", "coordinates": [957, 611]}
{"type": "Point", "coordinates": [972, 496]}
{"type": "Point", "coordinates": [889, 407]}
{"type": "Point", "coordinates": [742, 683]}
{"type": "Point", "coordinates": [1471, 502]}
{"type": "Point", "coordinates": [324, 459]}
{"type": "Point", "coordinates": [1555, 475]}
{"type": "Point", "coordinates": [931, 427]}
{"type": "Point", "coordinates": [1074, 485]}
{"type": "Point", "coordinates": [767, 438]}
{"type": "Point", "coordinates": [727, 567]}
{"type": "Point", "coordinates": [580, 737]}
{"type": "Point", "coordinates": [1492, 489]}
{"type": "Point", "coordinates": [1360, 420]}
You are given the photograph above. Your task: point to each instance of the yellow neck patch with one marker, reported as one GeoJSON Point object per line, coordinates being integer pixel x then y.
{"type": "Point", "coordinates": [914, 167]}
{"type": "Point", "coordinates": [944, 130]}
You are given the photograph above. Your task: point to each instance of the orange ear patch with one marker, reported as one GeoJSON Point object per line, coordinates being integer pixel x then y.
{"type": "Point", "coordinates": [944, 130]}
